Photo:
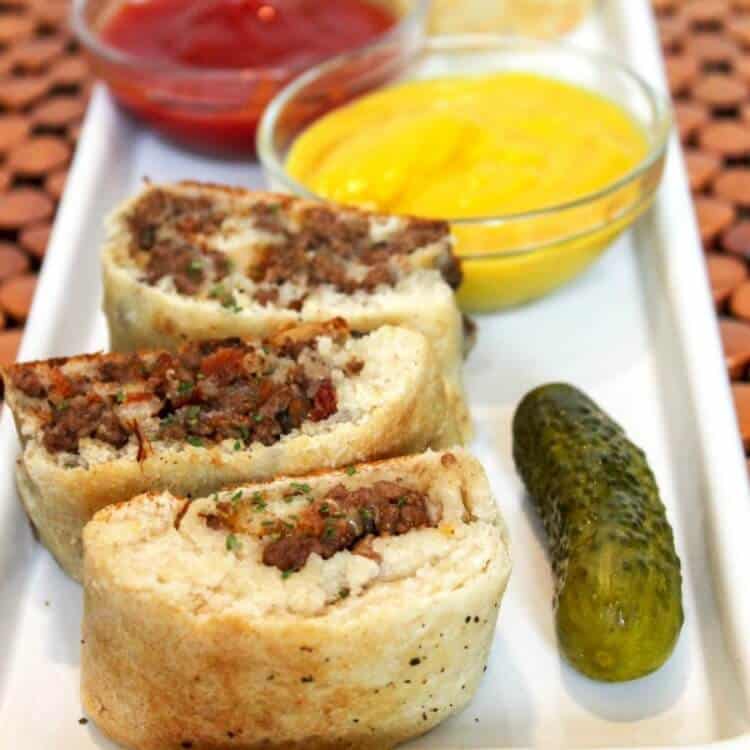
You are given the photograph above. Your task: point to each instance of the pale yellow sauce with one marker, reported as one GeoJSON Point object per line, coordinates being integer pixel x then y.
{"type": "Point", "coordinates": [480, 147]}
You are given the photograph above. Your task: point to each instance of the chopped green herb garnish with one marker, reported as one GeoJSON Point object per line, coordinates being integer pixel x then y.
{"type": "Point", "coordinates": [286, 574]}
{"type": "Point", "coordinates": [237, 445]}
{"type": "Point", "coordinates": [351, 471]}
{"type": "Point", "coordinates": [193, 412]}
{"type": "Point", "coordinates": [195, 266]}
{"type": "Point", "coordinates": [366, 514]}
{"type": "Point", "coordinates": [195, 440]}
{"type": "Point", "coordinates": [288, 525]}
{"type": "Point", "coordinates": [225, 297]}
{"type": "Point", "coordinates": [63, 405]}
{"type": "Point", "coordinates": [300, 487]}
{"type": "Point", "coordinates": [119, 397]}
{"type": "Point", "coordinates": [232, 542]}
{"type": "Point", "coordinates": [258, 417]}
{"type": "Point", "coordinates": [184, 387]}
{"type": "Point", "coordinates": [266, 350]}
{"type": "Point", "coordinates": [401, 502]}
{"type": "Point", "coordinates": [330, 530]}
{"type": "Point", "coordinates": [167, 420]}
{"type": "Point", "coordinates": [244, 432]}
{"type": "Point", "coordinates": [324, 509]}
{"type": "Point", "coordinates": [267, 522]}
{"type": "Point", "coordinates": [236, 497]}
{"type": "Point", "coordinates": [230, 303]}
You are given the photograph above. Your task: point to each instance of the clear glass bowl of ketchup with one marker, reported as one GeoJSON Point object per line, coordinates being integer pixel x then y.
{"type": "Point", "coordinates": [202, 71]}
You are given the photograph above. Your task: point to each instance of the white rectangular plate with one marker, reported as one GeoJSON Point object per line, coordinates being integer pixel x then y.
{"type": "Point", "coordinates": [636, 332]}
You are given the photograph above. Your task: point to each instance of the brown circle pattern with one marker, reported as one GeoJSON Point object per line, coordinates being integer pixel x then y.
{"type": "Point", "coordinates": [706, 45]}
{"type": "Point", "coordinates": [44, 86]}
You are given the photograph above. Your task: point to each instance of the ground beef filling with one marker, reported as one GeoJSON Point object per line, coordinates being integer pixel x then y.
{"type": "Point", "coordinates": [320, 251]}
{"type": "Point", "coordinates": [29, 383]}
{"type": "Point", "coordinates": [188, 266]}
{"type": "Point", "coordinates": [168, 239]}
{"type": "Point", "coordinates": [81, 417]}
{"type": "Point", "coordinates": [347, 519]}
{"type": "Point", "coordinates": [167, 235]}
{"type": "Point", "coordinates": [185, 214]}
{"type": "Point", "coordinates": [210, 391]}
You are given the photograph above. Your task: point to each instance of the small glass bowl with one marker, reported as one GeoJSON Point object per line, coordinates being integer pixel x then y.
{"type": "Point", "coordinates": [211, 109]}
{"type": "Point", "coordinates": [507, 259]}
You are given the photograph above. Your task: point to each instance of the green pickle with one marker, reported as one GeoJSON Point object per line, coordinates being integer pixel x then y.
{"type": "Point", "coordinates": [618, 594]}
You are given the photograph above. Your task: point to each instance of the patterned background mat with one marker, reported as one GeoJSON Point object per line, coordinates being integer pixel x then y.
{"type": "Point", "coordinates": [45, 84]}
{"type": "Point", "coordinates": [707, 49]}
{"type": "Point", "coordinates": [44, 87]}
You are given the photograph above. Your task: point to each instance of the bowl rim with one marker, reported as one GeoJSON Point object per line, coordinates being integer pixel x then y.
{"type": "Point", "coordinates": [660, 132]}
{"type": "Point", "coordinates": [413, 19]}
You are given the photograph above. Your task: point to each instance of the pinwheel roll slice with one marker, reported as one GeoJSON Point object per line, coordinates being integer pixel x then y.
{"type": "Point", "coordinates": [348, 609]}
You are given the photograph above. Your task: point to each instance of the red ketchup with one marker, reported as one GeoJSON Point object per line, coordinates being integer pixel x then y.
{"type": "Point", "coordinates": [269, 41]}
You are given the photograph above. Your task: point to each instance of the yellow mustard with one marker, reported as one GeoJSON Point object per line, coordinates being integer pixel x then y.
{"type": "Point", "coordinates": [479, 147]}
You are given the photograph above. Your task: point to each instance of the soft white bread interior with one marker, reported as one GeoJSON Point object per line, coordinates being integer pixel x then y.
{"type": "Point", "coordinates": [192, 639]}
{"type": "Point", "coordinates": [389, 401]}
{"type": "Point", "coordinates": [196, 261]}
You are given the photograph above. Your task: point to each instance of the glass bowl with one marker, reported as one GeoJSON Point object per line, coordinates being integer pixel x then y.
{"type": "Point", "coordinates": [507, 259]}
{"type": "Point", "coordinates": [536, 18]}
{"type": "Point", "coordinates": [211, 109]}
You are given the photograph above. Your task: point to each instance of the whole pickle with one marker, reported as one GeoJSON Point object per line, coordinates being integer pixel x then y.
{"type": "Point", "coordinates": [618, 583]}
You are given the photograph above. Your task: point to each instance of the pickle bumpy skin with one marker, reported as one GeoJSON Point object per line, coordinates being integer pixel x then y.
{"type": "Point", "coordinates": [618, 582]}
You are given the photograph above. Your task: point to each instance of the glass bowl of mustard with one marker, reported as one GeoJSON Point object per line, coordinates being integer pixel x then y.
{"type": "Point", "coordinates": [539, 154]}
